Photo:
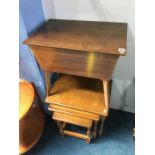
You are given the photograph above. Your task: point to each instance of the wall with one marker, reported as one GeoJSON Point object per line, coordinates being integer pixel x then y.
{"type": "Point", "coordinates": [31, 16]}
{"type": "Point", "coordinates": [105, 10]}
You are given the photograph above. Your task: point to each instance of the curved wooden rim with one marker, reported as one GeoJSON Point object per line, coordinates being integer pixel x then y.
{"type": "Point", "coordinates": [22, 151]}
{"type": "Point", "coordinates": [32, 99]}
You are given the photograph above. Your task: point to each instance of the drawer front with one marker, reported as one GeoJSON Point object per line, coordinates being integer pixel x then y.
{"type": "Point", "coordinates": [81, 63]}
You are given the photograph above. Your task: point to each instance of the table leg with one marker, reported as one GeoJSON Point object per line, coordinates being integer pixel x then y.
{"type": "Point", "coordinates": [101, 126]}
{"type": "Point", "coordinates": [60, 125]}
{"type": "Point", "coordinates": [48, 82]}
{"type": "Point", "coordinates": [95, 129]}
{"type": "Point", "coordinates": [89, 135]}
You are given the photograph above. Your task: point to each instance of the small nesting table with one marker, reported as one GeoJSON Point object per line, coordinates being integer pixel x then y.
{"type": "Point", "coordinates": [85, 54]}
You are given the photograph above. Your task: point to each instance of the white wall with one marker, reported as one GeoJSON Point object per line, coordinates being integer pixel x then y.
{"type": "Point", "coordinates": [105, 10]}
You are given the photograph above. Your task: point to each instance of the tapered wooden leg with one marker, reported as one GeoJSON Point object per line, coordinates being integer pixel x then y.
{"type": "Point", "coordinates": [101, 126]}
{"type": "Point", "coordinates": [95, 129]}
{"type": "Point", "coordinates": [106, 97]}
{"type": "Point", "coordinates": [106, 100]}
{"type": "Point", "coordinates": [48, 82]}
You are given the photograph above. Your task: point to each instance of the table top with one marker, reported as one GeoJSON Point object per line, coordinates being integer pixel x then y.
{"type": "Point", "coordinates": [26, 96]}
{"type": "Point", "coordinates": [89, 36]}
{"type": "Point", "coordinates": [79, 93]}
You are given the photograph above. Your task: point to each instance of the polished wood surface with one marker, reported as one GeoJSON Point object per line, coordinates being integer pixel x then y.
{"type": "Point", "coordinates": [89, 52]}
{"type": "Point", "coordinates": [100, 37]}
{"type": "Point", "coordinates": [88, 64]}
{"type": "Point", "coordinates": [106, 95]}
{"type": "Point", "coordinates": [63, 119]}
{"type": "Point", "coordinates": [31, 119]}
{"type": "Point", "coordinates": [79, 93]}
{"type": "Point", "coordinates": [48, 82]}
{"type": "Point", "coordinates": [26, 96]}
{"type": "Point", "coordinates": [75, 134]}
{"type": "Point", "coordinates": [79, 113]}
{"type": "Point", "coordinates": [82, 48]}
{"type": "Point", "coordinates": [30, 129]}
{"type": "Point", "coordinates": [72, 119]}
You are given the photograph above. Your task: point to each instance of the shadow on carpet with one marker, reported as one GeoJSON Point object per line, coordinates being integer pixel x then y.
{"type": "Point", "coordinates": [116, 140]}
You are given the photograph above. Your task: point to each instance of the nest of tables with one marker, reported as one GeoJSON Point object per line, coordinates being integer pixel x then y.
{"type": "Point", "coordinates": [79, 101]}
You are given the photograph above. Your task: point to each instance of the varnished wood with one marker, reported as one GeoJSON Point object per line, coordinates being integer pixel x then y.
{"type": "Point", "coordinates": [88, 64]}
{"type": "Point", "coordinates": [26, 97]}
{"type": "Point", "coordinates": [75, 134]}
{"type": "Point", "coordinates": [72, 119]}
{"type": "Point", "coordinates": [95, 129]}
{"type": "Point", "coordinates": [30, 114]}
{"type": "Point", "coordinates": [100, 131]}
{"type": "Point", "coordinates": [79, 48]}
{"type": "Point", "coordinates": [107, 92]}
{"type": "Point", "coordinates": [106, 96]}
{"type": "Point", "coordinates": [100, 37]}
{"type": "Point", "coordinates": [30, 129]}
{"type": "Point", "coordinates": [78, 93]}
{"type": "Point", "coordinates": [60, 125]}
{"type": "Point", "coordinates": [89, 134]}
{"type": "Point", "coordinates": [48, 83]}
{"type": "Point", "coordinates": [79, 113]}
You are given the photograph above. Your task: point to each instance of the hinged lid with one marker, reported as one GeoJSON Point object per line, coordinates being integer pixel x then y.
{"type": "Point", "coordinates": [89, 36]}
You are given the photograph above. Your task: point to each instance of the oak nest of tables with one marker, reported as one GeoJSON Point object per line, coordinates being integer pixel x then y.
{"type": "Point", "coordinates": [84, 54]}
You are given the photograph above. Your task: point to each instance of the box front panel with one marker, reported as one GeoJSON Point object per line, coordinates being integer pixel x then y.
{"type": "Point", "coordinates": [81, 63]}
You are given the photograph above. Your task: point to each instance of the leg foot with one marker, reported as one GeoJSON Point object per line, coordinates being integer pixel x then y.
{"type": "Point", "coordinates": [88, 140]}
{"type": "Point", "coordinates": [89, 134]}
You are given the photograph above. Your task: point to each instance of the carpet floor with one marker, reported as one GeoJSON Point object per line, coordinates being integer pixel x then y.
{"type": "Point", "coordinates": [117, 139]}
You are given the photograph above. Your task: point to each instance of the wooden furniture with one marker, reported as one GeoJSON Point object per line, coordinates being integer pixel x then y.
{"type": "Point", "coordinates": [85, 92]}
{"type": "Point", "coordinates": [78, 96]}
{"type": "Point", "coordinates": [62, 119]}
{"type": "Point", "coordinates": [81, 49]}
{"type": "Point", "coordinates": [29, 114]}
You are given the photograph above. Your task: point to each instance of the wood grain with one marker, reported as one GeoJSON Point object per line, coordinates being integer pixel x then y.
{"type": "Point", "coordinates": [95, 65]}
{"type": "Point", "coordinates": [78, 93]}
{"type": "Point", "coordinates": [26, 97]}
{"type": "Point", "coordinates": [79, 113]}
{"type": "Point", "coordinates": [75, 134]}
{"type": "Point", "coordinates": [48, 82]}
{"type": "Point", "coordinates": [29, 114]}
{"type": "Point", "coordinates": [79, 48]}
{"type": "Point", "coordinates": [72, 119]}
{"type": "Point", "coordinates": [100, 37]}
{"type": "Point", "coordinates": [30, 129]}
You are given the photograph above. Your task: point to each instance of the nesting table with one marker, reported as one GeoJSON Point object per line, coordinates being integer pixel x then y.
{"type": "Point", "coordinates": [84, 54]}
